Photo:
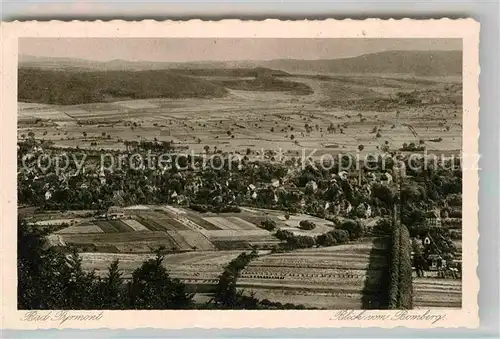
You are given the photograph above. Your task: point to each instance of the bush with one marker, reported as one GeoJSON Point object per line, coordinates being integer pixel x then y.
{"type": "Point", "coordinates": [341, 236]}
{"type": "Point", "coordinates": [295, 241]}
{"type": "Point", "coordinates": [268, 224]}
{"type": "Point", "coordinates": [283, 234]}
{"type": "Point", "coordinates": [354, 227]}
{"type": "Point", "coordinates": [306, 225]}
{"type": "Point", "coordinates": [332, 238]}
{"type": "Point", "coordinates": [326, 239]}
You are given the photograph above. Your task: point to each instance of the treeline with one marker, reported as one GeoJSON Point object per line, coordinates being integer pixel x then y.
{"type": "Point", "coordinates": [400, 285]}
{"type": "Point", "coordinates": [267, 83]}
{"type": "Point", "coordinates": [348, 230]}
{"type": "Point", "coordinates": [71, 88]}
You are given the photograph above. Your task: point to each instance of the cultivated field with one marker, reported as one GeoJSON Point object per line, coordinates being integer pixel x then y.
{"type": "Point", "coordinates": [437, 293]}
{"type": "Point", "coordinates": [339, 277]}
{"type": "Point", "coordinates": [147, 227]}
{"type": "Point", "coordinates": [277, 117]}
{"type": "Point", "coordinates": [194, 267]}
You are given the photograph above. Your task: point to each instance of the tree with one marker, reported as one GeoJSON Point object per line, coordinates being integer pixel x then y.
{"type": "Point", "coordinates": [152, 287]}
{"type": "Point", "coordinates": [306, 225]}
{"type": "Point", "coordinates": [84, 134]}
{"type": "Point", "coordinates": [326, 239]}
{"type": "Point", "coordinates": [341, 236]}
{"type": "Point", "coordinates": [383, 226]}
{"type": "Point", "coordinates": [38, 284]}
{"type": "Point", "coordinates": [354, 227]}
{"type": "Point", "coordinates": [206, 148]}
{"type": "Point", "coordinates": [79, 286]}
{"type": "Point", "coordinates": [361, 148]}
{"type": "Point", "coordinates": [384, 193]}
{"type": "Point", "coordinates": [111, 289]}
{"type": "Point", "coordinates": [268, 224]}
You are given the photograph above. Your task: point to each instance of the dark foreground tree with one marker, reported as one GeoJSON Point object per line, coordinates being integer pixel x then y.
{"type": "Point", "coordinates": [110, 290]}
{"type": "Point", "coordinates": [152, 287]}
{"type": "Point", "coordinates": [38, 267]}
{"type": "Point", "coordinates": [50, 279]}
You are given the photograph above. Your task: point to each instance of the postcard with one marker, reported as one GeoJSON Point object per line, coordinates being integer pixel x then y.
{"type": "Point", "coordinates": [240, 174]}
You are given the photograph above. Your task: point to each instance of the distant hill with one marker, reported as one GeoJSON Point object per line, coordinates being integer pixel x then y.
{"type": "Point", "coordinates": [436, 63]}
{"type": "Point", "coordinates": [70, 88]}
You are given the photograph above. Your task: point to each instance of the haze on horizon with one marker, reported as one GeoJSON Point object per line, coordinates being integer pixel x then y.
{"type": "Point", "coordinates": [222, 49]}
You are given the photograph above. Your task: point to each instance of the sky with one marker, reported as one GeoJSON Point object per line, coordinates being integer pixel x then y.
{"type": "Point", "coordinates": [221, 49]}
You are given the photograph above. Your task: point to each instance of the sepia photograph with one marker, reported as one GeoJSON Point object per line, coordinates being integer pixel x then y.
{"type": "Point", "coordinates": [239, 173]}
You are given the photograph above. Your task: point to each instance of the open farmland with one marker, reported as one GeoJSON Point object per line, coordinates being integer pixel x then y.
{"type": "Point", "coordinates": [193, 267]}
{"type": "Point", "coordinates": [339, 277]}
{"type": "Point", "coordinates": [177, 229]}
{"type": "Point", "coordinates": [261, 231]}
{"type": "Point", "coordinates": [437, 293]}
{"type": "Point", "coordinates": [364, 109]}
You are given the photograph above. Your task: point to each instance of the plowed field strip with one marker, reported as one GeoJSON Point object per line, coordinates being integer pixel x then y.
{"type": "Point", "coordinates": [106, 227]}
{"type": "Point", "coordinates": [197, 240]}
{"type": "Point", "coordinates": [301, 285]}
{"type": "Point", "coordinates": [254, 220]}
{"type": "Point", "coordinates": [163, 220]}
{"type": "Point", "coordinates": [203, 223]}
{"type": "Point", "coordinates": [169, 223]}
{"type": "Point", "coordinates": [221, 223]}
{"type": "Point", "coordinates": [80, 229]}
{"type": "Point", "coordinates": [121, 226]}
{"type": "Point", "coordinates": [150, 224]}
{"type": "Point", "coordinates": [135, 225]}
{"type": "Point", "coordinates": [179, 240]}
{"type": "Point", "coordinates": [334, 265]}
{"type": "Point", "coordinates": [438, 304]}
{"type": "Point", "coordinates": [198, 259]}
{"type": "Point", "coordinates": [115, 237]}
{"type": "Point", "coordinates": [243, 224]}
{"type": "Point", "coordinates": [321, 256]}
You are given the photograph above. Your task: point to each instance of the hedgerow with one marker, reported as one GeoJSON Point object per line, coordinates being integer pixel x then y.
{"type": "Point", "coordinates": [405, 271]}
{"type": "Point", "coordinates": [400, 285]}
{"type": "Point", "coordinates": [394, 269]}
